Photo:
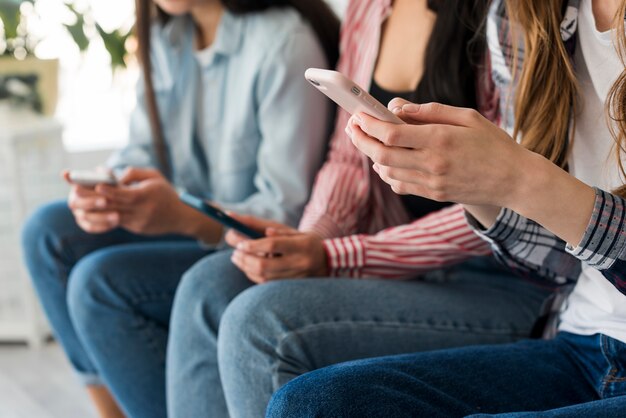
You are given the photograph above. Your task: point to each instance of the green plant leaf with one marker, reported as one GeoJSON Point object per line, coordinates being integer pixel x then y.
{"type": "Point", "coordinates": [77, 29]}
{"type": "Point", "coordinates": [10, 16]}
{"type": "Point", "coordinates": [115, 44]}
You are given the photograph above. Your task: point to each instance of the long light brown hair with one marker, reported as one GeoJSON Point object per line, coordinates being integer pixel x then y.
{"type": "Point", "coordinates": [546, 97]}
{"type": "Point", "coordinates": [546, 90]}
{"type": "Point", "coordinates": [616, 102]}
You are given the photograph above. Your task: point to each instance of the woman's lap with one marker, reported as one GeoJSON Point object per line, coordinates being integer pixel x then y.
{"type": "Point", "coordinates": [273, 333]}
{"type": "Point", "coordinates": [533, 375]}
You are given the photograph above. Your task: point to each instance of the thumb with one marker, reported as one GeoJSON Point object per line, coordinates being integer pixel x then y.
{"type": "Point", "coordinates": [281, 232]}
{"type": "Point", "coordinates": [134, 175]}
{"type": "Point", "coordinates": [437, 113]}
{"type": "Point", "coordinates": [396, 104]}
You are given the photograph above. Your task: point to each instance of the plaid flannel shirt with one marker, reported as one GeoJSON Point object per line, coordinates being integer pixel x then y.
{"type": "Point", "coordinates": [525, 245]}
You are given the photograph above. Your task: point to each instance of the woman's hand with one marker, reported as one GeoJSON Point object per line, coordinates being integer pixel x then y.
{"type": "Point", "coordinates": [453, 154]}
{"type": "Point", "coordinates": [149, 205]}
{"type": "Point", "coordinates": [284, 253]}
{"type": "Point", "coordinates": [91, 210]}
{"type": "Point", "coordinates": [443, 153]}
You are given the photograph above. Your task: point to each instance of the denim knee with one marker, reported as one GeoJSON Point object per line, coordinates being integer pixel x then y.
{"type": "Point", "coordinates": [202, 294]}
{"type": "Point", "coordinates": [301, 397]}
{"type": "Point", "coordinates": [43, 233]}
{"type": "Point", "coordinates": [258, 313]}
{"type": "Point", "coordinates": [89, 288]}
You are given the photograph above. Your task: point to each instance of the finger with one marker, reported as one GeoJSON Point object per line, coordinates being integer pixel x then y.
{"type": "Point", "coordinates": [402, 174]}
{"type": "Point", "coordinates": [260, 266]}
{"type": "Point", "coordinates": [233, 238]}
{"type": "Point", "coordinates": [394, 135]}
{"type": "Point", "coordinates": [107, 217]}
{"type": "Point", "coordinates": [437, 113]}
{"type": "Point", "coordinates": [270, 245]}
{"type": "Point", "coordinates": [387, 156]}
{"type": "Point", "coordinates": [83, 192]}
{"type": "Point", "coordinates": [134, 175]}
{"type": "Point", "coordinates": [278, 232]}
{"type": "Point", "coordinates": [420, 185]}
{"type": "Point", "coordinates": [91, 202]}
{"type": "Point", "coordinates": [121, 195]}
{"type": "Point", "coordinates": [395, 105]}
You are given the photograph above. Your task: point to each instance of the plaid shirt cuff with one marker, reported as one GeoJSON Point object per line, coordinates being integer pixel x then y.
{"type": "Point", "coordinates": [604, 241]}
{"type": "Point", "coordinates": [505, 232]}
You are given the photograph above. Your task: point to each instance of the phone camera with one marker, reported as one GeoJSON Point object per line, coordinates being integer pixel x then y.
{"type": "Point", "coordinates": [356, 91]}
{"type": "Point", "coordinates": [315, 83]}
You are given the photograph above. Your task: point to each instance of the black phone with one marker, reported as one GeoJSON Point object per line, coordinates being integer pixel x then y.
{"type": "Point", "coordinates": [219, 215]}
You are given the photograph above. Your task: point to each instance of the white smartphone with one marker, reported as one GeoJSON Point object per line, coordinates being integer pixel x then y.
{"type": "Point", "coordinates": [89, 178]}
{"type": "Point", "coordinates": [347, 94]}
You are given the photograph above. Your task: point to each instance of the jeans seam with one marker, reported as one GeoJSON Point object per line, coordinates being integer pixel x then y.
{"type": "Point", "coordinates": [387, 324]}
{"type": "Point", "coordinates": [611, 375]}
{"type": "Point", "coordinates": [310, 327]}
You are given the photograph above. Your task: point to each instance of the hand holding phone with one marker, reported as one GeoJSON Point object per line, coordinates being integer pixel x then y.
{"type": "Point", "coordinates": [219, 215]}
{"type": "Point", "coordinates": [350, 96]}
{"type": "Point", "coordinates": [91, 178]}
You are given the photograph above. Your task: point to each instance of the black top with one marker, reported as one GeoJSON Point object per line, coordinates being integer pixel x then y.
{"type": "Point", "coordinates": [416, 206]}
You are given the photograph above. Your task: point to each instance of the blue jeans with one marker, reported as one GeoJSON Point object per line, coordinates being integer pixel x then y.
{"type": "Point", "coordinates": [108, 298]}
{"type": "Point", "coordinates": [228, 359]}
{"type": "Point", "coordinates": [569, 376]}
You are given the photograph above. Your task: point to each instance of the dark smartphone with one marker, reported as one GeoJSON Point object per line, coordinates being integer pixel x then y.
{"type": "Point", "coordinates": [217, 214]}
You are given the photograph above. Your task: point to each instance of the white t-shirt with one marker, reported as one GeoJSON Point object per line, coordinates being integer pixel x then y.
{"type": "Point", "coordinates": [595, 305]}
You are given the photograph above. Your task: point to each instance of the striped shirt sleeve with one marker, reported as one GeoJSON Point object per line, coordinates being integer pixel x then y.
{"type": "Point", "coordinates": [340, 193]}
{"type": "Point", "coordinates": [440, 239]}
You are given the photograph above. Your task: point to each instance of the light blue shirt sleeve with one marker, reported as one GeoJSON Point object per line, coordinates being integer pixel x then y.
{"type": "Point", "coordinates": [293, 121]}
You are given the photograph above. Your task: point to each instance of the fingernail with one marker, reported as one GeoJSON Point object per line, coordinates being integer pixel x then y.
{"type": "Point", "coordinates": [349, 131]}
{"type": "Point", "coordinates": [410, 108]}
{"type": "Point", "coordinates": [376, 168]}
{"type": "Point", "coordinates": [100, 203]}
{"type": "Point", "coordinates": [396, 110]}
{"type": "Point", "coordinates": [356, 120]}
{"type": "Point", "coordinates": [243, 246]}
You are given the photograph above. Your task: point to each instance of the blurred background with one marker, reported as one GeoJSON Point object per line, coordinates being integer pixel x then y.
{"type": "Point", "coordinates": [67, 78]}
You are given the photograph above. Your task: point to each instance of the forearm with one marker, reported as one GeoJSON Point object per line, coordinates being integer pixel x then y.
{"type": "Point", "coordinates": [200, 227]}
{"type": "Point", "coordinates": [441, 239]}
{"type": "Point", "coordinates": [553, 198]}
{"type": "Point", "coordinates": [485, 215]}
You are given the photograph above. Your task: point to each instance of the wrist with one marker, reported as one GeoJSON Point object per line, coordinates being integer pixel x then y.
{"type": "Point", "coordinates": [198, 226]}
{"type": "Point", "coordinates": [553, 198]}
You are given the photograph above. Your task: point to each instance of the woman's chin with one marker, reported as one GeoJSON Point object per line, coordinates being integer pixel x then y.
{"type": "Point", "coordinates": [175, 7]}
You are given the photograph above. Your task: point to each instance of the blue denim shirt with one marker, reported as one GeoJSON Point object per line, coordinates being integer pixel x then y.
{"type": "Point", "coordinates": [242, 126]}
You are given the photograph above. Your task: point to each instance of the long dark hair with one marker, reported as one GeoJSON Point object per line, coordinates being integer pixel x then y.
{"type": "Point", "coordinates": [324, 22]}
{"type": "Point", "coordinates": [454, 53]}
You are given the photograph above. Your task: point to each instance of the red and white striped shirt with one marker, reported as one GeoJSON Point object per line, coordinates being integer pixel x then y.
{"type": "Point", "coordinates": [349, 198]}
